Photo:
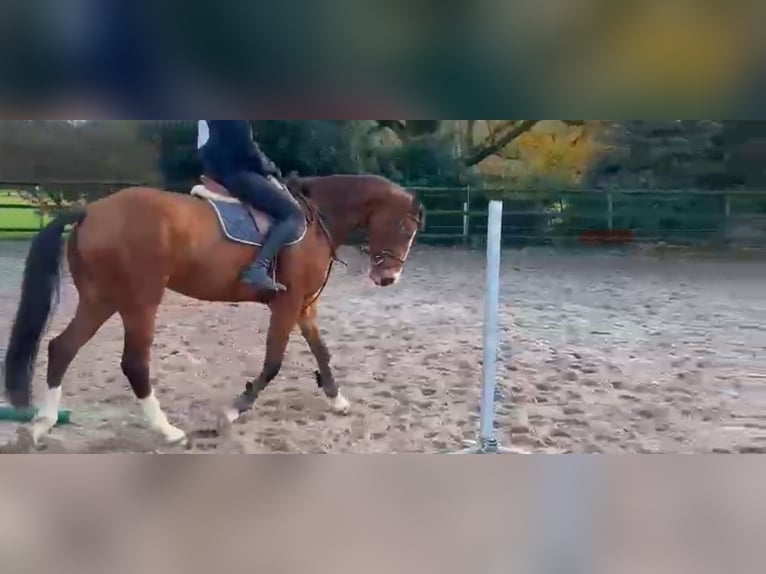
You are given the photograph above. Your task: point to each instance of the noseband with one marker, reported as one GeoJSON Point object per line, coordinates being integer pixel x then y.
{"type": "Point", "coordinates": [379, 257]}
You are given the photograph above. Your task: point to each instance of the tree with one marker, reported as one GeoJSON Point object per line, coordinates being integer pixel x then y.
{"type": "Point", "coordinates": [309, 147]}
{"type": "Point", "coordinates": [553, 155]}
{"type": "Point", "coordinates": [314, 147]}
{"type": "Point", "coordinates": [499, 134]}
{"type": "Point", "coordinates": [528, 150]}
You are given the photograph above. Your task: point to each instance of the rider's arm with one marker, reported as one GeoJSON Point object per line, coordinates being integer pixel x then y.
{"type": "Point", "coordinates": [236, 139]}
{"type": "Point", "coordinates": [262, 163]}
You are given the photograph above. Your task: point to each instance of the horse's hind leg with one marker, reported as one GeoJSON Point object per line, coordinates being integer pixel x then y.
{"type": "Point", "coordinates": [62, 350]}
{"type": "Point", "coordinates": [325, 377]}
{"type": "Point", "coordinates": [139, 325]}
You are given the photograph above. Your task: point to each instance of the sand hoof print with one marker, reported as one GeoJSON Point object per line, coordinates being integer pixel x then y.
{"type": "Point", "coordinates": [204, 440]}
{"type": "Point", "coordinates": [26, 443]}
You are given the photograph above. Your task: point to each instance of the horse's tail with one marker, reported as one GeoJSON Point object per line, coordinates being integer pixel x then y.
{"type": "Point", "coordinates": [39, 295]}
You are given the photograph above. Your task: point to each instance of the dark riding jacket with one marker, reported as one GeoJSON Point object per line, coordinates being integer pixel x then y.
{"type": "Point", "coordinates": [227, 147]}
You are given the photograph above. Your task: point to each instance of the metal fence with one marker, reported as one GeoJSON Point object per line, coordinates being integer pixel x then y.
{"type": "Point", "coordinates": [593, 217]}
{"type": "Point", "coordinates": [458, 215]}
{"type": "Point", "coordinates": [26, 206]}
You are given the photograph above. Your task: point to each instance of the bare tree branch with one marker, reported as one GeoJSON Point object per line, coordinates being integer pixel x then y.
{"type": "Point", "coordinates": [500, 133]}
{"type": "Point", "coordinates": [478, 155]}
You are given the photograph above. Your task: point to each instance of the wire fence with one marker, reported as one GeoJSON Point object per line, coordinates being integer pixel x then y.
{"type": "Point", "coordinates": [458, 215]}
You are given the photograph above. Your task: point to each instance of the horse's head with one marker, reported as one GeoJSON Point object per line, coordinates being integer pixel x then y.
{"type": "Point", "coordinates": [389, 214]}
{"type": "Point", "coordinates": [392, 229]}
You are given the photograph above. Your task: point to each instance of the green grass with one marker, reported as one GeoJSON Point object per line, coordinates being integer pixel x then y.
{"type": "Point", "coordinates": [25, 222]}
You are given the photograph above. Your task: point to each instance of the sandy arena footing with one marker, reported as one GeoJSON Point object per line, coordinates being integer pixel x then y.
{"type": "Point", "coordinates": [610, 354]}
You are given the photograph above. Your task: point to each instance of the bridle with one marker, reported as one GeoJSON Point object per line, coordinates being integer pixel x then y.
{"type": "Point", "coordinates": [313, 214]}
{"type": "Point", "coordinates": [379, 257]}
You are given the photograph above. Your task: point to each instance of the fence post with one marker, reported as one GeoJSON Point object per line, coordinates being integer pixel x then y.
{"type": "Point", "coordinates": [466, 215]}
{"type": "Point", "coordinates": [727, 218]}
{"type": "Point", "coordinates": [610, 215]}
{"type": "Point", "coordinates": [40, 209]}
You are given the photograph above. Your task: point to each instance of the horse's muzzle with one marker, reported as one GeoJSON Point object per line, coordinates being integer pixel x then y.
{"type": "Point", "coordinates": [385, 277]}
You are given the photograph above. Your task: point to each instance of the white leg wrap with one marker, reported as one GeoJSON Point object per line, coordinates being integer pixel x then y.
{"type": "Point", "coordinates": [158, 422]}
{"type": "Point", "coordinates": [341, 405]}
{"type": "Point", "coordinates": [48, 415]}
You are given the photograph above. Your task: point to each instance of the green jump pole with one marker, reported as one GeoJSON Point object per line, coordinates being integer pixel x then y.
{"type": "Point", "coordinates": [8, 413]}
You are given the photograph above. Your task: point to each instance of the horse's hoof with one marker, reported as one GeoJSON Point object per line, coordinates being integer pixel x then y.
{"type": "Point", "coordinates": [225, 421]}
{"type": "Point", "coordinates": [40, 428]}
{"type": "Point", "coordinates": [229, 417]}
{"type": "Point", "coordinates": [176, 437]}
{"type": "Point", "coordinates": [341, 405]}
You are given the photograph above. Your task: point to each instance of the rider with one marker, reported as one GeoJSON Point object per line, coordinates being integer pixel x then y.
{"type": "Point", "coordinates": [231, 156]}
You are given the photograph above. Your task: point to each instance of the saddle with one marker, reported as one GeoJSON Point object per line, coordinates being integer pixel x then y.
{"type": "Point", "coordinates": [212, 190]}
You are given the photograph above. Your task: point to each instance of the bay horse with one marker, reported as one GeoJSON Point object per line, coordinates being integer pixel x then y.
{"type": "Point", "coordinates": [127, 249]}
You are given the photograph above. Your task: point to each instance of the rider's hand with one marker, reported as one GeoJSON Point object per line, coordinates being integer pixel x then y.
{"type": "Point", "coordinates": [273, 170]}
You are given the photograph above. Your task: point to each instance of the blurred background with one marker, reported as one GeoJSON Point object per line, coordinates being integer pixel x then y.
{"type": "Point", "coordinates": [566, 183]}
{"type": "Point", "coordinates": [596, 58]}
{"type": "Point", "coordinates": [448, 515]}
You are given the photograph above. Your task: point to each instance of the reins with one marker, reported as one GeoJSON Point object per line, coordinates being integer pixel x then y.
{"type": "Point", "coordinates": [314, 215]}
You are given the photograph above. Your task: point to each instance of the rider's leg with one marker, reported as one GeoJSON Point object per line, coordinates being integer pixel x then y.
{"type": "Point", "coordinates": [288, 220]}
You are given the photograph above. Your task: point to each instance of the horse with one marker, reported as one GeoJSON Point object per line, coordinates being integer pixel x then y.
{"type": "Point", "coordinates": [126, 250]}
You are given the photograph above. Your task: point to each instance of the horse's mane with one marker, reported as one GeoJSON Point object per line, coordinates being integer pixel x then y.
{"type": "Point", "coordinates": [299, 190]}
{"type": "Point", "coordinates": [297, 187]}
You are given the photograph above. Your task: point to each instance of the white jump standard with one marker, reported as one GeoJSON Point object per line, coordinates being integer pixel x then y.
{"type": "Point", "coordinates": [488, 443]}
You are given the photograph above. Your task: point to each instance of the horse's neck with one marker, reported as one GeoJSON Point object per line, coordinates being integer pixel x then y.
{"type": "Point", "coordinates": [344, 214]}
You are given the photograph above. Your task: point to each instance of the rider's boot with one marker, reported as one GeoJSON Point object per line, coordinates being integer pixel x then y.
{"type": "Point", "coordinates": [257, 274]}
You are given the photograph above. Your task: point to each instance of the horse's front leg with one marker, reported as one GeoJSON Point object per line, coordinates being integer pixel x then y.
{"type": "Point", "coordinates": [310, 331]}
{"type": "Point", "coordinates": [285, 310]}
